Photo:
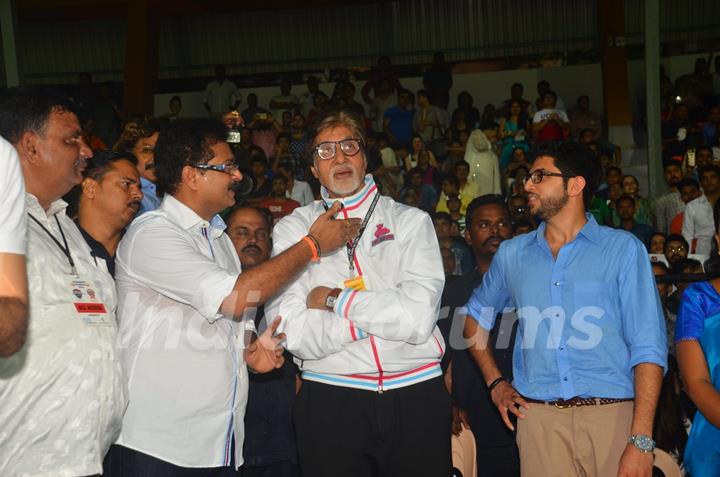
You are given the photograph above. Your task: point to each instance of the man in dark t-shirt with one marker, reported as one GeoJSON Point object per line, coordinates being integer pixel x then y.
{"type": "Point", "coordinates": [488, 224]}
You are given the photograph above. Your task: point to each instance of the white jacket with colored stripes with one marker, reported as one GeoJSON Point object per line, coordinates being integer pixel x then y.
{"type": "Point", "coordinates": [381, 338]}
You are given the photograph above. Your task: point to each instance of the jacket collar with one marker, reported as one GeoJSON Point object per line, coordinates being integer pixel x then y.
{"type": "Point", "coordinates": [357, 202]}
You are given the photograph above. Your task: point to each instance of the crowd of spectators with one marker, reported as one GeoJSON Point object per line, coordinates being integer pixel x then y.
{"type": "Point", "coordinates": [427, 153]}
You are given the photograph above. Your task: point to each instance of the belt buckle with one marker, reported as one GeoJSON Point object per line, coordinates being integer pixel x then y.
{"type": "Point", "coordinates": [564, 403]}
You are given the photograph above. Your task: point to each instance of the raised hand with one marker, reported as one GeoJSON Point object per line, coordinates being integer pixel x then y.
{"type": "Point", "coordinates": [333, 233]}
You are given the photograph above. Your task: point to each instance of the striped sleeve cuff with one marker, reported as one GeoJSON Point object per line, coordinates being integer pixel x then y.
{"type": "Point", "coordinates": [342, 307]}
{"type": "Point", "coordinates": [344, 302]}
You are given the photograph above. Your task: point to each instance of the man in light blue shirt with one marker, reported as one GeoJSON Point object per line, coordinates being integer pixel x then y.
{"type": "Point", "coordinates": [139, 139]}
{"type": "Point", "coordinates": [591, 347]}
{"type": "Point", "coordinates": [150, 200]}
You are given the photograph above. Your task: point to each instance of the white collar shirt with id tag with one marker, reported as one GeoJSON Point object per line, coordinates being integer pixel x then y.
{"type": "Point", "coordinates": [63, 394]}
{"type": "Point", "coordinates": [187, 379]}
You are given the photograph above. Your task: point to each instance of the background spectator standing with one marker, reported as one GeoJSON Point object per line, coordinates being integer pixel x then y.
{"type": "Point", "coordinates": [483, 162]}
{"type": "Point", "coordinates": [384, 99]}
{"type": "Point", "coordinates": [543, 87]}
{"type": "Point", "coordinates": [670, 204]}
{"type": "Point", "coordinates": [550, 123]}
{"type": "Point", "coordinates": [427, 120]}
{"type": "Point", "coordinates": [307, 99]}
{"type": "Point", "coordinates": [471, 113]}
{"type": "Point", "coordinates": [221, 94]}
{"type": "Point", "coordinates": [516, 94]}
{"type": "Point", "coordinates": [438, 80]}
{"type": "Point", "coordinates": [398, 120]}
{"type": "Point", "coordinates": [383, 71]}
{"type": "Point", "coordinates": [698, 226]}
{"type": "Point", "coordinates": [581, 118]}
{"type": "Point", "coordinates": [285, 101]}
{"type": "Point", "coordinates": [513, 132]}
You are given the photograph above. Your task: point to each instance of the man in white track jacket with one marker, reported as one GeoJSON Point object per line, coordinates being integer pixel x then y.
{"type": "Point", "coordinates": [361, 323]}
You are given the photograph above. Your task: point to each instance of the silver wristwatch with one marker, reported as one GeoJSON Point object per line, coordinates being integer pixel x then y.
{"type": "Point", "coordinates": [642, 442]}
{"type": "Point", "coordinates": [330, 301]}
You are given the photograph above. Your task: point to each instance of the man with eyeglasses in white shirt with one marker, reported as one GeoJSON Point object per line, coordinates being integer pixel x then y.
{"type": "Point", "coordinates": [182, 302]}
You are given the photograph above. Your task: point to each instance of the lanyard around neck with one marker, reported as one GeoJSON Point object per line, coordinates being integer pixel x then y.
{"type": "Point", "coordinates": [351, 246]}
{"type": "Point", "coordinates": [62, 246]}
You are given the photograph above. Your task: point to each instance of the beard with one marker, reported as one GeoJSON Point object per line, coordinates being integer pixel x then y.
{"type": "Point", "coordinates": [347, 186]}
{"type": "Point", "coordinates": [551, 206]}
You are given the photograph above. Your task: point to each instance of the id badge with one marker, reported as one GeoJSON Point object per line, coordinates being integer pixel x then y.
{"type": "Point", "coordinates": [356, 283]}
{"type": "Point", "coordinates": [88, 305]}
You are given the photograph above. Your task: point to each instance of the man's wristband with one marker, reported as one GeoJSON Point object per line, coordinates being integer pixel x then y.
{"type": "Point", "coordinates": [495, 383]}
{"type": "Point", "coordinates": [314, 247]}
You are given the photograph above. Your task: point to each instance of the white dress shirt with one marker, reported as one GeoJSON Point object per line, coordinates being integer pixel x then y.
{"type": "Point", "coordinates": [187, 380]}
{"type": "Point", "coordinates": [698, 224]}
{"type": "Point", "coordinates": [13, 237]}
{"type": "Point", "coordinates": [62, 394]}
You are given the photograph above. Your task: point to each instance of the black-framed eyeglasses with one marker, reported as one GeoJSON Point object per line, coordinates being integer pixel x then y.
{"type": "Point", "coordinates": [349, 146]}
{"type": "Point", "coordinates": [229, 168]}
{"type": "Point", "coordinates": [537, 176]}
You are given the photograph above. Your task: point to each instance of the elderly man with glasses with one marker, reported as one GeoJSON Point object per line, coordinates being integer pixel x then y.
{"type": "Point", "coordinates": [361, 324]}
{"type": "Point", "coordinates": [185, 308]}
{"type": "Point", "coordinates": [591, 347]}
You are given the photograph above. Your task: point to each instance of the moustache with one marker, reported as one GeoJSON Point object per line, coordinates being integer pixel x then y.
{"type": "Point", "coordinates": [494, 237]}
{"type": "Point", "coordinates": [135, 204]}
{"type": "Point", "coordinates": [149, 165]}
{"type": "Point", "coordinates": [341, 168]}
{"type": "Point", "coordinates": [250, 247]}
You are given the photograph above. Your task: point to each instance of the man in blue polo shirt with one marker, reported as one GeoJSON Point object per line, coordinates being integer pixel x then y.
{"type": "Point", "coordinates": [398, 120]}
{"type": "Point", "coordinates": [591, 347]}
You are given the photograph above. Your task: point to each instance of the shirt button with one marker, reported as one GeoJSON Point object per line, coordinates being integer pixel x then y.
{"type": "Point", "coordinates": [557, 284]}
{"type": "Point", "coordinates": [557, 315]}
{"type": "Point", "coordinates": [565, 378]}
{"type": "Point", "coordinates": [561, 348]}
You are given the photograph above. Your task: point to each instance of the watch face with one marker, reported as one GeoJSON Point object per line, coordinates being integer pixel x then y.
{"type": "Point", "coordinates": [644, 443]}
{"type": "Point", "coordinates": [330, 302]}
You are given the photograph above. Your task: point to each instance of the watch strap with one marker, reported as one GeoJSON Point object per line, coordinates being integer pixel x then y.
{"type": "Point", "coordinates": [332, 298]}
